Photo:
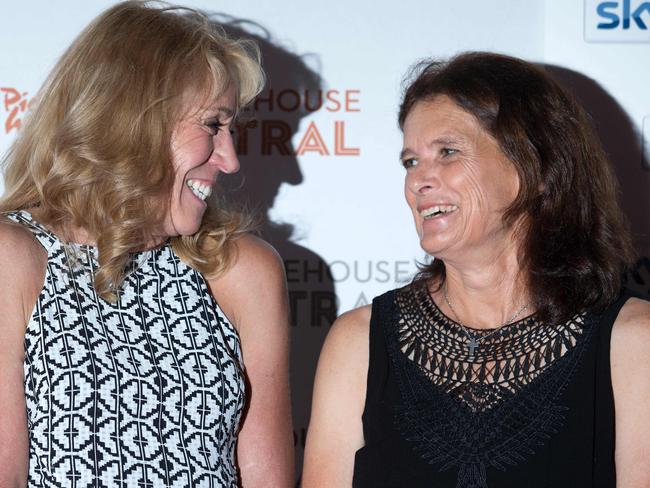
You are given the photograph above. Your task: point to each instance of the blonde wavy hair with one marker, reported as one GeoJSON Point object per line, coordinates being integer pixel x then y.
{"type": "Point", "coordinates": [95, 151]}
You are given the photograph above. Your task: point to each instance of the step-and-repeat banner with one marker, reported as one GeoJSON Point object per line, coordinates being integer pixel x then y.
{"type": "Point", "coordinates": [320, 156]}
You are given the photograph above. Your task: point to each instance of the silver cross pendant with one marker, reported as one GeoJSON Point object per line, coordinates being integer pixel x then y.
{"type": "Point", "coordinates": [471, 346]}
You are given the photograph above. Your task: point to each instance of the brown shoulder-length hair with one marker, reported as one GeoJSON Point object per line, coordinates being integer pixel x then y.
{"type": "Point", "coordinates": [95, 151]}
{"type": "Point", "coordinates": [575, 243]}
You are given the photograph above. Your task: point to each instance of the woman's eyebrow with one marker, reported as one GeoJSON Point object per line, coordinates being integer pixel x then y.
{"type": "Point", "coordinates": [437, 141]}
{"type": "Point", "coordinates": [405, 152]}
{"type": "Point", "coordinates": [227, 112]}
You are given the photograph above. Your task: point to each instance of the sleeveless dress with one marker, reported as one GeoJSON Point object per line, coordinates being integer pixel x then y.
{"type": "Point", "coordinates": [532, 408]}
{"type": "Point", "coordinates": [147, 392]}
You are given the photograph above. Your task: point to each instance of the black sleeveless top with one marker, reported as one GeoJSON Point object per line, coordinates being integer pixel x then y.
{"type": "Point", "coordinates": [532, 408]}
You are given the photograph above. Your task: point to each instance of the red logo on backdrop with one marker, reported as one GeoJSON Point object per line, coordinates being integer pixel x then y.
{"type": "Point", "coordinates": [15, 104]}
{"type": "Point", "coordinates": [276, 134]}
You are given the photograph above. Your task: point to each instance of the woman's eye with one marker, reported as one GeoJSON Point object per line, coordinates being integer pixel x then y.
{"type": "Point", "coordinates": [214, 126]}
{"type": "Point", "coordinates": [448, 151]}
{"type": "Point", "coordinates": [409, 163]}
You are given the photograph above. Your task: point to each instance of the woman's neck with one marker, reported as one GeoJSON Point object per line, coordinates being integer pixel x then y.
{"type": "Point", "coordinates": [486, 293]}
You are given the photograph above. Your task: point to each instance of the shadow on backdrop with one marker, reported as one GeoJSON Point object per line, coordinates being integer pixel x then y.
{"type": "Point", "coordinates": [268, 161]}
{"type": "Point", "coordinates": [623, 144]}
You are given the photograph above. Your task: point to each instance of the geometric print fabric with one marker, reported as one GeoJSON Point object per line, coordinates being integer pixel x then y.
{"type": "Point", "coordinates": [147, 392]}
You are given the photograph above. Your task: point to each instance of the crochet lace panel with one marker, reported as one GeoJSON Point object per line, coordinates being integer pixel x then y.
{"type": "Point", "coordinates": [490, 409]}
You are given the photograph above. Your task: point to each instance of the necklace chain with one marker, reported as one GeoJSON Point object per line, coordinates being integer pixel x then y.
{"type": "Point", "coordinates": [474, 341]}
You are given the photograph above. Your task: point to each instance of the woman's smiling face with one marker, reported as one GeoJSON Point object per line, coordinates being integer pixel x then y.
{"type": "Point", "coordinates": [458, 181]}
{"type": "Point", "coordinates": [201, 148]}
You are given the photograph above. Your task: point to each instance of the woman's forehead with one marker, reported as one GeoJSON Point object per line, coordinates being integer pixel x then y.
{"type": "Point", "coordinates": [441, 117]}
{"type": "Point", "coordinates": [222, 103]}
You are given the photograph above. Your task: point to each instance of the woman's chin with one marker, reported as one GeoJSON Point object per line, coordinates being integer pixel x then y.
{"type": "Point", "coordinates": [190, 229]}
{"type": "Point", "coordinates": [183, 226]}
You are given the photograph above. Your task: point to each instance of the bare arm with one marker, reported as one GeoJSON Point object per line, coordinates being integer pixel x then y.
{"type": "Point", "coordinates": [253, 294]}
{"type": "Point", "coordinates": [630, 362]}
{"type": "Point", "coordinates": [22, 264]}
{"type": "Point", "coordinates": [335, 429]}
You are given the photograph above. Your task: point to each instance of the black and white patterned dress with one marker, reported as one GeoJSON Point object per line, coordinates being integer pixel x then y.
{"type": "Point", "coordinates": [147, 392]}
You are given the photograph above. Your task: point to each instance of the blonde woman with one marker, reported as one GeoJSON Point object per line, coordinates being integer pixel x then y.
{"type": "Point", "coordinates": [143, 334]}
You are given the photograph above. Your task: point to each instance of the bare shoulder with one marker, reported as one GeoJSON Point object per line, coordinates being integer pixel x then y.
{"type": "Point", "coordinates": [22, 270]}
{"type": "Point", "coordinates": [335, 429]}
{"type": "Point", "coordinates": [346, 346]}
{"type": "Point", "coordinates": [253, 259]}
{"type": "Point", "coordinates": [19, 250]}
{"type": "Point", "coordinates": [630, 369]}
{"type": "Point", "coordinates": [630, 343]}
{"type": "Point", "coordinates": [16, 238]}
{"type": "Point", "coordinates": [18, 278]}
{"type": "Point", "coordinates": [343, 362]}
{"type": "Point", "coordinates": [351, 329]}
{"type": "Point", "coordinates": [255, 280]}
{"type": "Point", "coordinates": [355, 318]}
{"type": "Point", "coordinates": [632, 326]}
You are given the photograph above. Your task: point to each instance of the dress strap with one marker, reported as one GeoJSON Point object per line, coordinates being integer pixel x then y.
{"type": "Point", "coordinates": [43, 235]}
{"type": "Point", "coordinates": [605, 330]}
{"type": "Point", "coordinates": [378, 359]}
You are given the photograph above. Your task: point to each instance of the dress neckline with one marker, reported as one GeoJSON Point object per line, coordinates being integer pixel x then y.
{"type": "Point", "coordinates": [86, 248]}
{"type": "Point", "coordinates": [432, 312]}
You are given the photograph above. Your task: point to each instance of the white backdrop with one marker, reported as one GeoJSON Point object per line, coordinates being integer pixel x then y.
{"type": "Point", "coordinates": [345, 212]}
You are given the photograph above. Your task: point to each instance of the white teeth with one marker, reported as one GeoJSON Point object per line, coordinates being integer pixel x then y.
{"type": "Point", "coordinates": [200, 190]}
{"type": "Point", "coordinates": [427, 213]}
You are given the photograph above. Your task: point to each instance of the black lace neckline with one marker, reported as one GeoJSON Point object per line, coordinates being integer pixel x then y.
{"type": "Point", "coordinates": [506, 361]}
{"type": "Point", "coordinates": [424, 327]}
{"type": "Point", "coordinates": [489, 409]}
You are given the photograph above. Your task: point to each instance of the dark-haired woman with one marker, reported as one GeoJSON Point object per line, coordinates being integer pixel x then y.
{"type": "Point", "coordinates": [514, 360]}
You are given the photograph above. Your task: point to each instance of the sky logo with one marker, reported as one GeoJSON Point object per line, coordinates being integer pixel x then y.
{"type": "Point", "coordinates": [617, 21]}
